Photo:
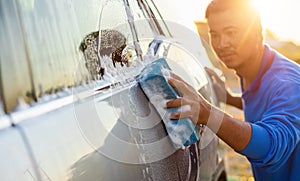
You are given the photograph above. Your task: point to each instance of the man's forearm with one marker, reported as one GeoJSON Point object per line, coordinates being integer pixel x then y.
{"type": "Point", "coordinates": [234, 132]}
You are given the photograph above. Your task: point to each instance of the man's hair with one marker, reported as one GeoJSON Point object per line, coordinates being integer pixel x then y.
{"type": "Point", "coordinates": [246, 7]}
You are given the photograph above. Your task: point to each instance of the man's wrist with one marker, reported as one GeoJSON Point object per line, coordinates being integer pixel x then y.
{"type": "Point", "coordinates": [215, 119]}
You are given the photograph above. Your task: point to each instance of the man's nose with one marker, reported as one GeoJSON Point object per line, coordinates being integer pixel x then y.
{"type": "Point", "coordinates": [224, 42]}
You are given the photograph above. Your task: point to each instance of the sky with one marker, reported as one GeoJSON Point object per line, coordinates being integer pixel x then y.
{"type": "Point", "coordinates": [280, 16]}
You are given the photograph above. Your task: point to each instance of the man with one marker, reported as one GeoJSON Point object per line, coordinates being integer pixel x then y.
{"type": "Point", "coordinates": [270, 93]}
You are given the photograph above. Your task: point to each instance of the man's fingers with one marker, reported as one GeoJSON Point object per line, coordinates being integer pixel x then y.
{"type": "Point", "coordinates": [180, 115]}
{"type": "Point", "coordinates": [214, 76]}
{"type": "Point", "coordinates": [173, 75]}
{"type": "Point", "coordinates": [176, 103]}
{"type": "Point", "coordinates": [178, 84]}
{"type": "Point", "coordinates": [210, 72]}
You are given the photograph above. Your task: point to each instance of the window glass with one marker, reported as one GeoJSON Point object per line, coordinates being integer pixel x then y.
{"type": "Point", "coordinates": [114, 49]}
{"type": "Point", "coordinates": [138, 22]}
{"type": "Point", "coordinates": [187, 63]}
{"type": "Point", "coordinates": [145, 26]}
{"type": "Point", "coordinates": [113, 15]}
{"type": "Point", "coordinates": [1, 94]}
{"type": "Point", "coordinates": [116, 41]}
{"type": "Point", "coordinates": [51, 34]}
{"type": "Point", "coordinates": [154, 9]}
{"type": "Point", "coordinates": [47, 37]}
{"type": "Point", "coordinates": [15, 74]}
{"type": "Point", "coordinates": [87, 13]}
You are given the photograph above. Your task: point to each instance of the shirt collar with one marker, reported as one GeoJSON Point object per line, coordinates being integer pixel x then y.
{"type": "Point", "coordinates": [265, 64]}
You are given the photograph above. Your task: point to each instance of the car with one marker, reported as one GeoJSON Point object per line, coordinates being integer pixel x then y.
{"type": "Point", "coordinates": [71, 106]}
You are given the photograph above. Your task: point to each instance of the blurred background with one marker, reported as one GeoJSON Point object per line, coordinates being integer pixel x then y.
{"type": "Point", "coordinates": [279, 18]}
{"type": "Point", "coordinates": [281, 31]}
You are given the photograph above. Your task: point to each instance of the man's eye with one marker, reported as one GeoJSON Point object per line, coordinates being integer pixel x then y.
{"type": "Point", "coordinates": [231, 33]}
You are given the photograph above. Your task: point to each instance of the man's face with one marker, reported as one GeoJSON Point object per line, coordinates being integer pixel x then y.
{"type": "Point", "coordinates": [232, 39]}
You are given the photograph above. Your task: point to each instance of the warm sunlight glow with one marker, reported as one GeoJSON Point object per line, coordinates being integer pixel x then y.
{"type": "Point", "coordinates": [269, 11]}
{"type": "Point", "coordinates": [261, 5]}
{"type": "Point", "coordinates": [281, 16]}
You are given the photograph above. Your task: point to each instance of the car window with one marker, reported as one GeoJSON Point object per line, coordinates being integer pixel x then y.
{"type": "Point", "coordinates": [113, 16]}
{"type": "Point", "coordinates": [46, 36]}
{"type": "Point", "coordinates": [145, 27]}
{"type": "Point", "coordinates": [142, 16]}
{"type": "Point", "coordinates": [51, 33]}
{"type": "Point", "coordinates": [1, 93]}
{"type": "Point", "coordinates": [87, 15]}
{"type": "Point", "coordinates": [126, 32]}
{"type": "Point", "coordinates": [15, 72]}
{"type": "Point", "coordinates": [186, 65]}
{"type": "Point", "coordinates": [159, 19]}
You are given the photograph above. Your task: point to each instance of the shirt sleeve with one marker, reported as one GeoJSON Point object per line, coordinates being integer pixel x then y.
{"type": "Point", "coordinates": [275, 137]}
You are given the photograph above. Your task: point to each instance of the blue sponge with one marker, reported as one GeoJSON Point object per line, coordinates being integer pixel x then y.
{"type": "Point", "coordinates": [156, 87]}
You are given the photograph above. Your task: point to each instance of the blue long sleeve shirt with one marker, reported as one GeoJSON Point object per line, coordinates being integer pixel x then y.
{"type": "Point", "coordinates": [272, 106]}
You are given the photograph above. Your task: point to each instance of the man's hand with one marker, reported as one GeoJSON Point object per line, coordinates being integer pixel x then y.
{"type": "Point", "coordinates": [199, 108]}
{"type": "Point", "coordinates": [222, 93]}
{"type": "Point", "coordinates": [218, 85]}
{"type": "Point", "coordinates": [234, 132]}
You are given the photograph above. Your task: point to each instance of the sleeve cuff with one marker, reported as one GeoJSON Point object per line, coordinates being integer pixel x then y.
{"type": "Point", "coordinates": [259, 143]}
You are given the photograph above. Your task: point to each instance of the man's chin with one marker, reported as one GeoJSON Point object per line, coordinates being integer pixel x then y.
{"type": "Point", "coordinates": [227, 61]}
